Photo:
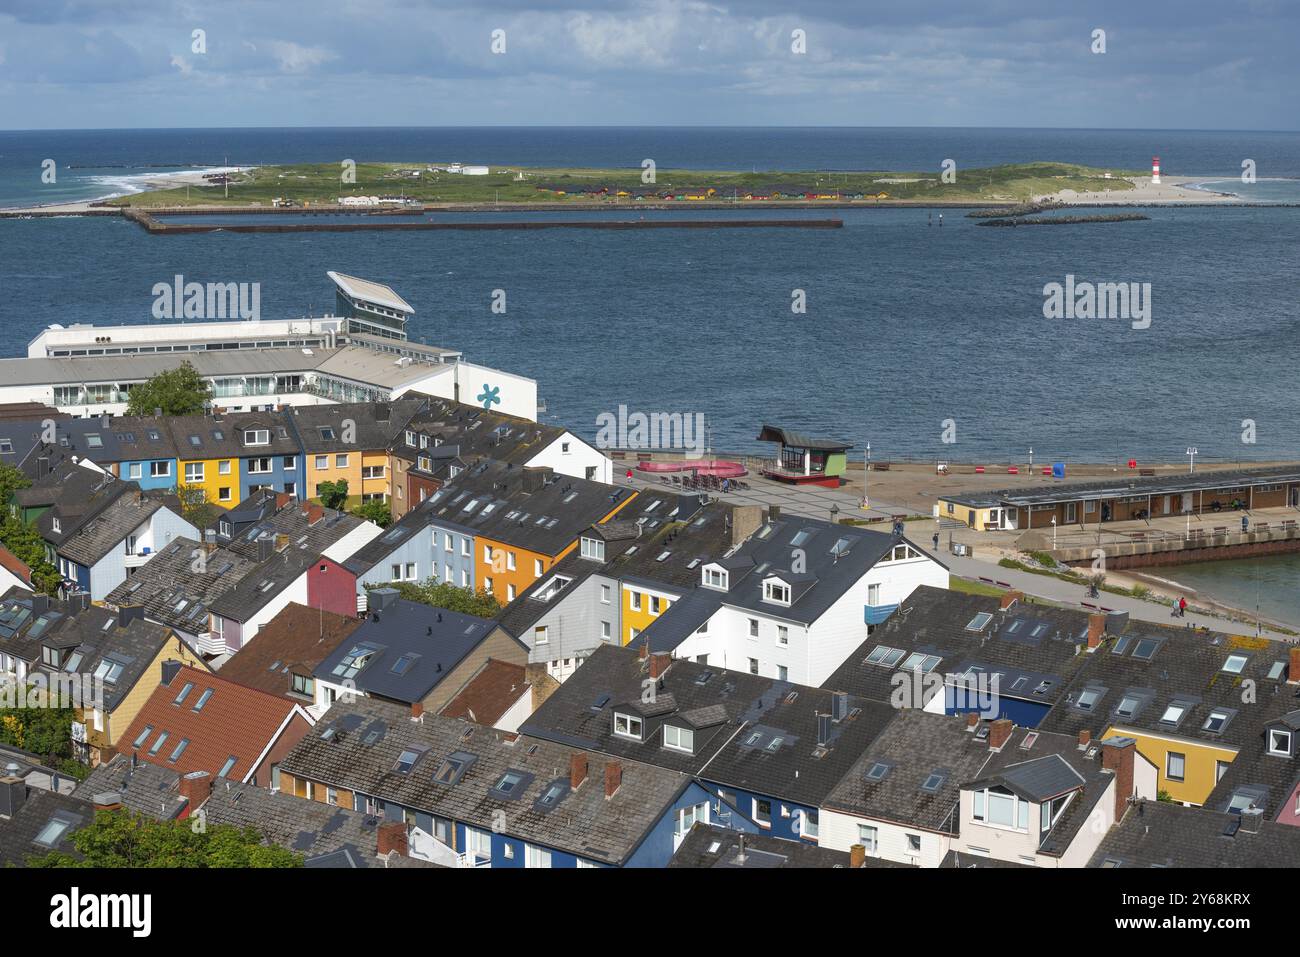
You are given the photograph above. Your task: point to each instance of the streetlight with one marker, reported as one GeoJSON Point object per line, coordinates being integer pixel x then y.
{"type": "Point", "coordinates": [1191, 458]}
{"type": "Point", "coordinates": [1053, 533]}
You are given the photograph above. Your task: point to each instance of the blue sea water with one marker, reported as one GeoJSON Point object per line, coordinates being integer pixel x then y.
{"type": "Point", "coordinates": [908, 325]}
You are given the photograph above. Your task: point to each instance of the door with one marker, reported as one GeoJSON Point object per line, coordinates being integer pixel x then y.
{"type": "Point", "coordinates": [1187, 502]}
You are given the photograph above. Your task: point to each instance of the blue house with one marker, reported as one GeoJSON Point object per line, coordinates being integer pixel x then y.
{"type": "Point", "coordinates": [473, 796]}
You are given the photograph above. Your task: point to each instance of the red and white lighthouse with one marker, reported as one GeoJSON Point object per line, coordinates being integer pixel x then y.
{"type": "Point", "coordinates": [1155, 171]}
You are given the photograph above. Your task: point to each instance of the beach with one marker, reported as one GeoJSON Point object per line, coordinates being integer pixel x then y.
{"type": "Point", "coordinates": [1172, 189]}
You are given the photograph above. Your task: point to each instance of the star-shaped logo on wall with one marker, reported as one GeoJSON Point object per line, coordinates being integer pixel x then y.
{"type": "Point", "coordinates": [489, 395]}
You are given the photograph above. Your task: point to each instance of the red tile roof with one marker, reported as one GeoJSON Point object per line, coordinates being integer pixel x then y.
{"type": "Point", "coordinates": [295, 641]}
{"type": "Point", "coordinates": [234, 721]}
{"type": "Point", "coordinates": [15, 565]}
{"type": "Point", "coordinates": [489, 694]}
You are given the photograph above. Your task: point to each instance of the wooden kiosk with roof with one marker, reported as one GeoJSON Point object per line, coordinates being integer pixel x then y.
{"type": "Point", "coordinates": [806, 459]}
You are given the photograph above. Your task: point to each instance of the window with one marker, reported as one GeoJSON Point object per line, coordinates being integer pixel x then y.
{"type": "Point", "coordinates": [656, 604]}
{"type": "Point", "coordinates": [223, 494]}
{"type": "Point", "coordinates": [140, 738]}
{"type": "Point", "coordinates": [540, 635]}
{"type": "Point", "coordinates": [884, 655]}
{"type": "Point", "coordinates": [260, 466]}
{"type": "Point", "coordinates": [341, 461]}
{"type": "Point", "coordinates": [1279, 741]}
{"type": "Point", "coordinates": [510, 592]}
{"type": "Point", "coordinates": [1174, 713]}
{"type": "Point", "coordinates": [53, 831]}
{"type": "Point", "coordinates": [227, 767]}
{"type": "Point", "coordinates": [372, 471]}
{"type": "Point", "coordinates": [1001, 808]}
{"type": "Point", "coordinates": [406, 760]}
{"type": "Point", "coordinates": [203, 699]}
{"type": "Point", "coordinates": [777, 592]}
{"type": "Point", "coordinates": [604, 594]}
{"type": "Point", "coordinates": [537, 568]}
{"type": "Point", "coordinates": [869, 837]}
{"type": "Point", "coordinates": [605, 631]}
{"type": "Point", "coordinates": [715, 578]}
{"type": "Point", "coordinates": [753, 627]}
{"type": "Point", "coordinates": [627, 726]}
{"type": "Point", "coordinates": [157, 745]}
{"type": "Point", "coordinates": [536, 856]}
{"type": "Point", "coordinates": [920, 661]}
{"type": "Point", "coordinates": [914, 843]}
{"type": "Point", "coordinates": [763, 812]}
{"type": "Point", "coordinates": [1128, 706]}
{"type": "Point", "coordinates": [679, 739]}
{"type": "Point", "coordinates": [1217, 719]}
{"type": "Point", "coordinates": [180, 749]}
{"type": "Point", "coordinates": [322, 462]}
{"type": "Point", "coordinates": [257, 436]}
{"type": "Point", "coordinates": [189, 686]}
{"type": "Point", "coordinates": [223, 467]}
{"type": "Point", "coordinates": [160, 469]}
{"type": "Point", "coordinates": [135, 470]}
{"type": "Point", "coordinates": [1175, 766]}
{"type": "Point", "coordinates": [1088, 699]}
{"type": "Point", "coordinates": [1235, 664]}
{"type": "Point", "coordinates": [303, 685]}
{"type": "Point", "coordinates": [593, 548]}
{"type": "Point", "coordinates": [753, 666]}
{"type": "Point", "coordinates": [634, 598]}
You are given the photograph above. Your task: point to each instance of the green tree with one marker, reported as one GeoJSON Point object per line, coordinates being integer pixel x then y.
{"type": "Point", "coordinates": [126, 839]}
{"type": "Point", "coordinates": [27, 545]}
{"type": "Point", "coordinates": [11, 480]}
{"type": "Point", "coordinates": [179, 391]}
{"type": "Point", "coordinates": [333, 494]}
{"type": "Point", "coordinates": [43, 731]}
{"type": "Point", "coordinates": [375, 510]}
{"type": "Point", "coordinates": [449, 596]}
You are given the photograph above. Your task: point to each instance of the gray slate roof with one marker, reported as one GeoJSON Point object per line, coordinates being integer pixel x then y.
{"type": "Point", "coordinates": [583, 822]}
{"type": "Point", "coordinates": [1159, 834]}
{"type": "Point", "coordinates": [146, 789]}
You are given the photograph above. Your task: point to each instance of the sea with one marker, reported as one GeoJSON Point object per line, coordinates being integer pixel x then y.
{"type": "Point", "coordinates": [929, 341]}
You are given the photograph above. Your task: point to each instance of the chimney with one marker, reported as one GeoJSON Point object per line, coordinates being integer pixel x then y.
{"type": "Point", "coordinates": [857, 856]}
{"type": "Point", "coordinates": [1293, 672]}
{"type": "Point", "coordinates": [265, 548]}
{"type": "Point", "coordinates": [40, 603]}
{"type": "Point", "coordinates": [170, 669]}
{"type": "Point", "coordinates": [282, 499]}
{"type": "Point", "coordinates": [1010, 598]}
{"type": "Point", "coordinates": [281, 542]}
{"type": "Point", "coordinates": [381, 598]}
{"type": "Point", "coordinates": [417, 710]}
{"type": "Point", "coordinates": [536, 477]}
{"type": "Point", "coordinates": [13, 794]}
{"type": "Point", "coordinates": [577, 769]}
{"type": "Point", "coordinates": [839, 705]}
{"type": "Point", "coordinates": [392, 837]}
{"type": "Point", "coordinates": [104, 422]}
{"type": "Point", "coordinates": [1117, 755]}
{"type": "Point", "coordinates": [644, 651]}
{"type": "Point", "coordinates": [745, 521]}
{"type": "Point", "coordinates": [1096, 630]}
{"type": "Point", "coordinates": [78, 601]}
{"type": "Point", "coordinates": [1085, 739]}
{"type": "Point", "coordinates": [129, 613]}
{"type": "Point", "coordinates": [1250, 818]}
{"type": "Point", "coordinates": [659, 663]}
{"type": "Point", "coordinates": [972, 720]}
{"type": "Point", "coordinates": [613, 778]}
{"type": "Point", "coordinates": [107, 801]}
{"type": "Point", "coordinates": [1000, 733]}
{"type": "Point", "coordinates": [823, 730]}
{"type": "Point", "coordinates": [313, 513]}
{"type": "Point", "coordinates": [196, 787]}
{"type": "Point", "coordinates": [774, 513]}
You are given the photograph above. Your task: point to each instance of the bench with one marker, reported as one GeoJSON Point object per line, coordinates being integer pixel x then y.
{"type": "Point", "coordinates": [880, 466]}
{"type": "Point", "coordinates": [1147, 473]}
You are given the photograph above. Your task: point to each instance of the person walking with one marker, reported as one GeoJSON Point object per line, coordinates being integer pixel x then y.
{"type": "Point", "coordinates": [1182, 607]}
{"type": "Point", "coordinates": [1173, 608]}
{"type": "Point", "coordinates": [936, 541]}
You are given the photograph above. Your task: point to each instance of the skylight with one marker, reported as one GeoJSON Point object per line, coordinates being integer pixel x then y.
{"type": "Point", "coordinates": [203, 699]}
{"type": "Point", "coordinates": [884, 655]}
{"type": "Point", "coordinates": [406, 760]}
{"type": "Point", "coordinates": [1235, 664]}
{"type": "Point", "coordinates": [979, 621]}
{"type": "Point", "coordinates": [933, 782]}
{"type": "Point", "coordinates": [877, 771]}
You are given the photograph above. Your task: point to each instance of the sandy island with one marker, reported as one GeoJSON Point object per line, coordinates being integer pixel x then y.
{"type": "Point", "coordinates": [1172, 189]}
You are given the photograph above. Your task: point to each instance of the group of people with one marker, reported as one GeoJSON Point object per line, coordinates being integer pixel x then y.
{"type": "Point", "coordinates": [1178, 607]}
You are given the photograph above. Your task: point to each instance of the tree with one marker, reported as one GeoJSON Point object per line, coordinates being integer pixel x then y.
{"type": "Point", "coordinates": [333, 494]}
{"type": "Point", "coordinates": [43, 731]}
{"type": "Point", "coordinates": [28, 546]}
{"type": "Point", "coordinates": [375, 510]}
{"type": "Point", "coordinates": [127, 839]}
{"type": "Point", "coordinates": [446, 595]}
{"type": "Point", "coordinates": [179, 391]}
{"type": "Point", "coordinates": [11, 480]}
{"type": "Point", "coordinates": [195, 507]}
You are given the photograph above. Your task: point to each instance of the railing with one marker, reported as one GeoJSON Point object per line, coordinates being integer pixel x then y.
{"type": "Point", "coordinates": [471, 860]}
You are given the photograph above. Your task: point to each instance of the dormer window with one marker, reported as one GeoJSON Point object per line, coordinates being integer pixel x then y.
{"type": "Point", "coordinates": [593, 548]}
{"type": "Point", "coordinates": [998, 807]}
{"type": "Point", "coordinates": [628, 725]}
{"type": "Point", "coordinates": [55, 524]}
{"type": "Point", "coordinates": [679, 739]}
{"type": "Point", "coordinates": [776, 591]}
{"type": "Point", "coordinates": [1279, 741]}
{"type": "Point", "coordinates": [257, 436]}
{"type": "Point", "coordinates": [715, 577]}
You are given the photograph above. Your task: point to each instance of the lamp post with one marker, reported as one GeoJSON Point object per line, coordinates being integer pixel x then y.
{"type": "Point", "coordinates": [1053, 533]}
{"type": "Point", "coordinates": [1191, 459]}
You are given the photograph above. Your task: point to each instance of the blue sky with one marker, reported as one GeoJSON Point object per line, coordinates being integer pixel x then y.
{"type": "Point", "coordinates": [131, 63]}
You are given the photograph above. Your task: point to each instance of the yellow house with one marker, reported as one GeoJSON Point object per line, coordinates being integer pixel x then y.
{"type": "Point", "coordinates": [979, 514]}
{"type": "Point", "coordinates": [1199, 763]}
{"type": "Point", "coordinates": [642, 604]}
{"type": "Point", "coordinates": [217, 477]}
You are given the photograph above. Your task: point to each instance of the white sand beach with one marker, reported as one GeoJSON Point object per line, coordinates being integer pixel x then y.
{"type": "Point", "coordinates": [1172, 189]}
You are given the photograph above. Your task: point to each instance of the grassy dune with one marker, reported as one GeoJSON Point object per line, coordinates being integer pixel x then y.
{"type": "Point", "coordinates": [320, 184]}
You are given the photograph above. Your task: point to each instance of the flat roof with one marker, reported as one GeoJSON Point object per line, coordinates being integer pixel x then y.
{"type": "Point", "coordinates": [375, 292]}
{"type": "Point", "coordinates": [1161, 485]}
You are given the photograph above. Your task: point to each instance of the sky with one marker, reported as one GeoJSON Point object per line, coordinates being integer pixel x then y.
{"type": "Point", "coordinates": [78, 64]}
